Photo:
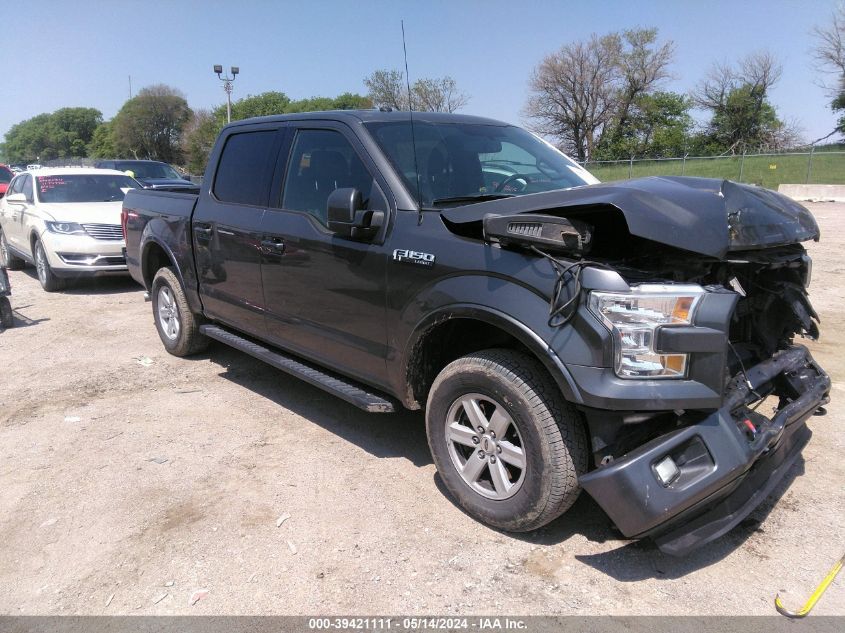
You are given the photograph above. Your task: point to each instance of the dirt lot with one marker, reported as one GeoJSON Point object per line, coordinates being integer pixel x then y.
{"type": "Point", "coordinates": [131, 478]}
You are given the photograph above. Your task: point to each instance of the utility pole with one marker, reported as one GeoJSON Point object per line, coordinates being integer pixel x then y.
{"type": "Point", "coordinates": [227, 86]}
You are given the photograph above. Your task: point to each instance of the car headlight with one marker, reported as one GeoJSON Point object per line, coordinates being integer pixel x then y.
{"type": "Point", "coordinates": [65, 228]}
{"type": "Point", "coordinates": [634, 318]}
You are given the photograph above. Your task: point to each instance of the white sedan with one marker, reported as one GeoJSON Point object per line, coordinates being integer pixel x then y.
{"type": "Point", "coordinates": [65, 221]}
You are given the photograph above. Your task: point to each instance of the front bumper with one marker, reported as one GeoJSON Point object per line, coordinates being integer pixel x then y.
{"type": "Point", "coordinates": [724, 472]}
{"type": "Point", "coordinates": [78, 255]}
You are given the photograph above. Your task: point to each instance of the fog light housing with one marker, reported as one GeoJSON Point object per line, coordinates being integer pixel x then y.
{"type": "Point", "coordinates": [666, 471]}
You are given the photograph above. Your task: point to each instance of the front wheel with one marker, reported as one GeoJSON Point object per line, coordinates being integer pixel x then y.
{"type": "Point", "coordinates": [7, 260]}
{"type": "Point", "coordinates": [506, 444]}
{"type": "Point", "coordinates": [177, 326]}
{"type": "Point", "coordinates": [49, 281]}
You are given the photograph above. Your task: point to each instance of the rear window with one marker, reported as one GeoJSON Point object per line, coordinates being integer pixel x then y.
{"type": "Point", "coordinates": [83, 188]}
{"type": "Point", "coordinates": [242, 174]}
{"type": "Point", "coordinates": [6, 175]}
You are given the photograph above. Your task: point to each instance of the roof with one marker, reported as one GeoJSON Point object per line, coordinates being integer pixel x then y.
{"type": "Point", "coordinates": [374, 116]}
{"type": "Point", "coordinates": [67, 171]}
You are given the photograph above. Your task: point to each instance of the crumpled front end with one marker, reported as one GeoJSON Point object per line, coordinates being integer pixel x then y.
{"type": "Point", "coordinates": [693, 484]}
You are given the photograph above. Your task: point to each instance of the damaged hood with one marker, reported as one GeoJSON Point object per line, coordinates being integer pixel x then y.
{"type": "Point", "coordinates": [702, 215]}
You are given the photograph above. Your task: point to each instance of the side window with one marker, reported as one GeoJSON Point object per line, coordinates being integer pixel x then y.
{"type": "Point", "coordinates": [27, 188]}
{"type": "Point", "coordinates": [320, 162]}
{"type": "Point", "coordinates": [16, 185]}
{"type": "Point", "coordinates": [242, 171]}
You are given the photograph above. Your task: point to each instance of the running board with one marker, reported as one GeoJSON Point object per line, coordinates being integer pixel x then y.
{"type": "Point", "coordinates": [352, 393]}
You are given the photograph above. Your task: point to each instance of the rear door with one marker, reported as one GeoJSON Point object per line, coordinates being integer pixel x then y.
{"type": "Point", "coordinates": [325, 295]}
{"type": "Point", "coordinates": [227, 228]}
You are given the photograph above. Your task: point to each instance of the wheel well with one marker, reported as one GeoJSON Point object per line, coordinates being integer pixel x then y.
{"type": "Point", "coordinates": [447, 341]}
{"type": "Point", "coordinates": [155, 258]}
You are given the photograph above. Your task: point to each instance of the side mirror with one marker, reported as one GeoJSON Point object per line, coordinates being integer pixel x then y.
{"type": "Point", "coordinates": [347, 217]}
{"type": "Point", "coordinates": [17, 197]}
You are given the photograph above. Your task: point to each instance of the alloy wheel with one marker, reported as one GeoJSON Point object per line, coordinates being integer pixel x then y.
{"type": "Point", "coordinates": [168, 313]}
{"type": "Point", "coordinates": [485, 446]}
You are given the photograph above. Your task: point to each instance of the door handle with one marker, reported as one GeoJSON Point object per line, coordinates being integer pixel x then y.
{"type": "Point", "coordinates": [274, 244]}
{"type": "Point", "coordinates": [202, 232]}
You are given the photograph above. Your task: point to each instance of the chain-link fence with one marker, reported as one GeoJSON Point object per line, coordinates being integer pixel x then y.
{"type": "Point", "coordinates": [767, 170]}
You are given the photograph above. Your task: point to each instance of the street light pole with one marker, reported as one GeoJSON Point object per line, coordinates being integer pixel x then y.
{"type": "Point", "coordinates": [227, 86]}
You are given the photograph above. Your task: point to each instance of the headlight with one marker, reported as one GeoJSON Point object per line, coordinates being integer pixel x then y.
{"type": "Point", "coordinates": [65, 228]}
{"type": "Point", "coordinates": [633, 319]}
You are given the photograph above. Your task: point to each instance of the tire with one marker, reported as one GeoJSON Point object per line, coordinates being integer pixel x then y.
{"type": "Point", "coordinates": [46, 276]}
{"type": "Point", "coordinates": [512, 391]}
{"type": "Point", "coordinates": [7, 260]}
{"type": "Point", "coordinates": [178, 327]}
{"type": "Point", "coordinates": [7, 319]}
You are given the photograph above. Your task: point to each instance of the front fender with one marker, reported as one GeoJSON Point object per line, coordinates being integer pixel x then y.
{"type": "Point", "coordinates": [509, 306]}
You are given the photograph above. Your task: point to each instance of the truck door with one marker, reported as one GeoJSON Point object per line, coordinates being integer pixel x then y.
{"type": "Point", "coordinates": [325, 295]}
{"type": "Point", "coordinates": [227, 228]}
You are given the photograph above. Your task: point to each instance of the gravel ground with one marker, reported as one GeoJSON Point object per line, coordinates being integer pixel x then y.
{"type": "Point", "coordinates": [131, 479]}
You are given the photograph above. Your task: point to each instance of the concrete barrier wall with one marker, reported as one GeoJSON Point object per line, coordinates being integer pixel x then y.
{"type": "Point", "coordinates": [816, 193]}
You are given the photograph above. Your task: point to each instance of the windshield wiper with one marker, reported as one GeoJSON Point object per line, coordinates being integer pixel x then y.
{"type": "Point", "coordinates": [481, 197]}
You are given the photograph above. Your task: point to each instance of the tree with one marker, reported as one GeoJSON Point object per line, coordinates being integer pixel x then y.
{"type": "Point", "coordinates": [198, 139]}
{"type": "Point", "coordinates": [102, 142]}
{"type": "Point", "coordinates": [64, 133]}
{"type": "Point", "coordinates": [830, 56]}
{"type": "Point", "coordinates": [590, 88]}
{"type": "Point", "coordinates": [150, 125]}
{"type": "Point", "coordinates": [657, 125]}
{"type": "Point", "coordinates": [741, 114]}
{"type": "Point", "coordinates": [387, 88]}
{"type": "Point", "coordinates": [264, 104]}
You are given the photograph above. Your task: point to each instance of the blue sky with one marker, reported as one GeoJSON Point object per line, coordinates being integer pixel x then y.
{"type": "Point", "coordinates": [81, 53]}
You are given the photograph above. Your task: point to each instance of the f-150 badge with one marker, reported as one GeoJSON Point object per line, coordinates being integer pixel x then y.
{"type": "Point", "coordinates": [413, 257]}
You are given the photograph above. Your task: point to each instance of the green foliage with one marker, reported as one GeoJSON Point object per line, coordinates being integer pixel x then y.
{"type": "Point", "coordinates": [658, 125]}
{"type": "Point", "coordinates": [150, 125]}
{"type": "Point", "coordinates": [198, 139]}
{"type": "Point", "coordinates": [64, 133]}
{"type": "Point", "coordinates": [838, 106]}
{"type": "Point", "coordinates": [102, 142]}
{"type": "Point", "coordinates": [746, 119]}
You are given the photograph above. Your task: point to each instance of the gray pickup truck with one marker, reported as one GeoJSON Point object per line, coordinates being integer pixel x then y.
{"type": "Point", "coordinates": [561, 334]}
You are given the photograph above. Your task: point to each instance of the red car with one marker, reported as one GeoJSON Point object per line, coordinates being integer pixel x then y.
{"type": "Point", "coordinates": [6, 176]}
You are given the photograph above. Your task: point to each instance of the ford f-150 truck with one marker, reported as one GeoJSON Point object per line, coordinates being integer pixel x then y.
{"type": "Point", "coordinates": [632, 339]}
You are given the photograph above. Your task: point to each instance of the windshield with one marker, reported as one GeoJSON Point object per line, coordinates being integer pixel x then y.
{"type": "Point", "coordinates": [83, 187]}
{"type": "Point", "coordinates": [152, 171]}
{"type": "Point", "coordinates": [463, 160]}
{"type": "Point", "coordinates": [6, 175]}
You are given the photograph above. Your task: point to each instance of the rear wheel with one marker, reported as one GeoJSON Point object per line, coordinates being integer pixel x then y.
{"type": "Point", "coordinates": [506, 444]}
{"type": "Point", "coordinates": [177, 326]}
{"type": "Point", "coordinates": [49, 281]}
{"type": "Point", "coordinates": [7, 260]}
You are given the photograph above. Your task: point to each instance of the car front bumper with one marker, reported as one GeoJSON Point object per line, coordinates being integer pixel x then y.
{"type": "Point", "coordinates": [80, 255]}
{"type": "Point", "coordinates": [724, 470]}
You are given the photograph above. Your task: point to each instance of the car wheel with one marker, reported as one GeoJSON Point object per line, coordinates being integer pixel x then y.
{"type": "Point", "coordinates": [49, 281]}
{"type": "Point", "coordinates": [7, 260]}
{"type": "Point", "coordinates": [7, 319]}
{"type": "Point", "coordinates": [177, 326]}
{"type": "Point", "coordinates": [506, 444]}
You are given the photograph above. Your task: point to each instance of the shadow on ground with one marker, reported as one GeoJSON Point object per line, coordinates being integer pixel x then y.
{"type": "Point", "coordinates": [94, 285]}
{"type": "Point", "coordinates": [402, 434]}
